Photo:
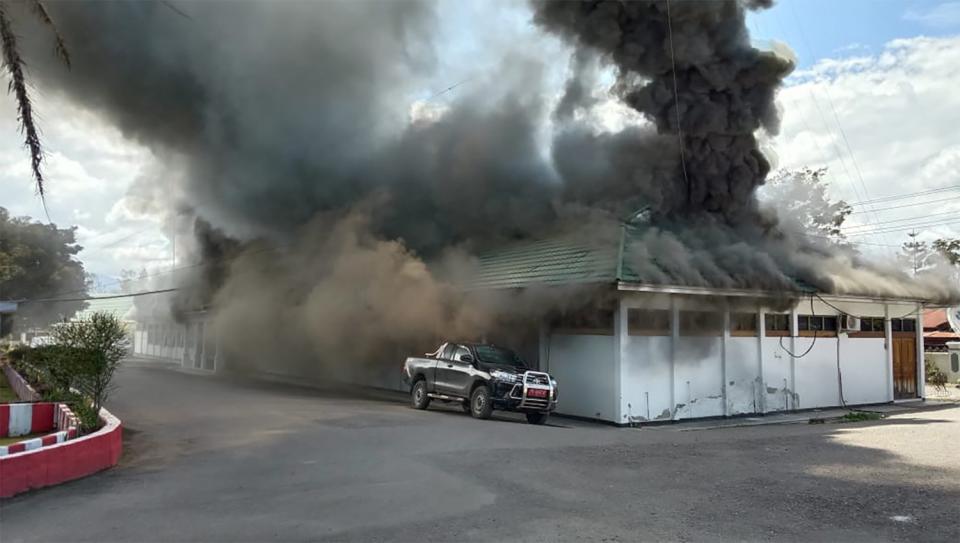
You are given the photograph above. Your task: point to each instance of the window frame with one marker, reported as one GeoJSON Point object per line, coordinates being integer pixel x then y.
{"type": "Point", "coordinates": [592, 321]}
{"type": "Point", "coordinates": [806, 328]}
{"type": "Point", "coordinates": [768, 332]}
{"type": "Point", "coordinates": [738, 332]}
{"type": "Point", "coordinates": [634, 319]}
{"type": "Point", "coordinates": [712, 319]}
{"type": "Point", "coordinates": [871, 330]}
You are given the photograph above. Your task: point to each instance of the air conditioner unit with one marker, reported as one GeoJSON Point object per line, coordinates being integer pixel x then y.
{"type": "Point", "coordinates": [849, 323]}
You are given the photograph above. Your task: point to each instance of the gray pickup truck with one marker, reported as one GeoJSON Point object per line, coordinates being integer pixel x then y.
{"type": "Point", "coordinates": [481, 377]}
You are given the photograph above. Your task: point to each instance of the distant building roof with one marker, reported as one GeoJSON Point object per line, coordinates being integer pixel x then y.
{"type": "Point", "coordinates": [936, 320]}
{"type": "Point", "coordinates": [122, 308]}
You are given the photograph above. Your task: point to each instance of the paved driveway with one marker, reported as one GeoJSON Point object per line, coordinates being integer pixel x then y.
{"type": "Point", "coordinates": [209, 459]}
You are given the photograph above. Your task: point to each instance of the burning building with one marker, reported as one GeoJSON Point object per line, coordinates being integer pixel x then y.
{"type": "Point", "coordinates": [338, 228]}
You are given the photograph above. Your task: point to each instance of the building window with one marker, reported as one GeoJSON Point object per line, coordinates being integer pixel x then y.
{"type": "Point", "coordinates": [701, 323]}
{"type": "Point", "coordinates": [903, 325]}
{"type": "Point", "coordinates": [776, 324]}
{"type": "Point", "coordinates": [817, 324]}
{"type": "Point", "coordinates": [871, 324]}
{"type": "Point", "coordinates": [954, 362]}
{"type": "Point", "coordinates": [648, 322]}
{"type": "Point", "coordinates": [590, 321]}
{"type": "Point", "coordinates": [743, 324]}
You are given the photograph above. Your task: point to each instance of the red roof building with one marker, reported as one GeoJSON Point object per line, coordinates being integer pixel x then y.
{"type": "Point", "coordinates": [937, 331]}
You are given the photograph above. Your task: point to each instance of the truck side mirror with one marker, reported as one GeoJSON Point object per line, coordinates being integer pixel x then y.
{"type": "Point", "coordinates": [466, 358]}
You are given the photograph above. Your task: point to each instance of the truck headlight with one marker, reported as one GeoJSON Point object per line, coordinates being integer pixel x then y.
{"type": "Point", "coordinates": [504, 376]}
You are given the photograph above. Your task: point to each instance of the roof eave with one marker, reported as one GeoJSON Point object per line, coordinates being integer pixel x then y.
{"type": "Point", "coordinates": [755, 293]}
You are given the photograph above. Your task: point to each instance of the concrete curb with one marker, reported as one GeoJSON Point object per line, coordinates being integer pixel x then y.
{"type": "Point", "coordinates": [24, 391]}
{"type": "Point", "coordinates": [63, 461]}
{"type": "Point", "coordinates": [55, 459]}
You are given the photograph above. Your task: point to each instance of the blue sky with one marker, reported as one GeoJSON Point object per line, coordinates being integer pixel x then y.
{"type": "Point", "coordinates": [815, 29]}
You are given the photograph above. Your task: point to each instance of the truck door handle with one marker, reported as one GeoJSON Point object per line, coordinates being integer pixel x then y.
{"type": "Point", "coordinates": [449, 365]}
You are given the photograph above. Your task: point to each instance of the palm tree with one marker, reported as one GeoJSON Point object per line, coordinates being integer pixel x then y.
{"type": "Point", "coordinates": [14, 66]}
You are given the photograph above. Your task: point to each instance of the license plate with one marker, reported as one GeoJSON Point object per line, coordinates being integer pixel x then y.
{"type": "Point", "coordinates": [537, 393]}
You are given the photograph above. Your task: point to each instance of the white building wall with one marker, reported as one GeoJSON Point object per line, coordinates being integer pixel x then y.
{"type": "Point", "coordinates": [743, 365]}
{"type": "Point", "coordinates": [864, 365]}
{"type": "Point", "coordinates": [583, 366]}
{"type": "Point", "coordinates": [698, 385]}
{"type": "Point", "coordinates": [645, 380]}
{"type": "Point", "coordinates": [775, 384]}
{"type": "Point", "coordinates": [679, 377]}
{"type": "Point", "coordinates": [817, 383]}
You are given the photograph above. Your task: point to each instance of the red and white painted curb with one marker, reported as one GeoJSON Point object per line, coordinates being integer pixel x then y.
{"type": "Point", "coordinates": [62, 461]}
{"type": "Point", "coordinates": [35, 443]}
{"type": "Point", "coordinates": [20, 419]}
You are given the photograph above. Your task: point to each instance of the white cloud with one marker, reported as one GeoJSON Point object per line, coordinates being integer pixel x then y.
{"type": "Point", "coordinates": [942, 15]}
{"type": "Point", "coordinates": [89, 167]}
{"type": "Point", "coordinates": [898, 111]}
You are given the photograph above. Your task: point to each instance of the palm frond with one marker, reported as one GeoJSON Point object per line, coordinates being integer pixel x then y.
{"type": "Point", "coordinates": [60, 46]}
{"type": "Point", "coordinates": [13, 64]}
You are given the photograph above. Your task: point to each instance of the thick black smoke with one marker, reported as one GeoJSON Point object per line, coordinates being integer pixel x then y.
{"type": "Point", "coordinates": [696, 67]}
{"type": "Point", "coordinates": [289, 125]}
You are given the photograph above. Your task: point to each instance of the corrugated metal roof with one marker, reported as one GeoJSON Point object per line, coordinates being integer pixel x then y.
{"type": "Point", "coordinates": [122, 308]}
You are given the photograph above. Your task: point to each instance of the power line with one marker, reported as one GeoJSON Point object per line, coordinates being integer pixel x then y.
{"type": "Point", "coordinates": [676, 97]}
{"type": "Point", "coordinates": [906, 196]}
{"type": "Point", "coordinates": [926, 217]}
{"type": "Point", "coordinates": [948, 222]}
{"type": "Point", "coordinates": [866, 192]}
{"type": "Point", "coordinates": [913, 204]}
{"type": "Point", "coordinates": [88, 298]}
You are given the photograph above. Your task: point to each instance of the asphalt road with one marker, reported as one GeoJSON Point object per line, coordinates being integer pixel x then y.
{"type": "Point", "coordinates": [209, 459]}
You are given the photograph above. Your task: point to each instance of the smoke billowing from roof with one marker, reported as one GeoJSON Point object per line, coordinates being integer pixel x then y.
{"type": "Point", "coordinates": [289, 124]}
{"type": "Point", "coordinates": [696, 67]}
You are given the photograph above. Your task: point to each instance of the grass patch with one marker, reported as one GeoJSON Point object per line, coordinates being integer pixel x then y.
{"type": "Point", "coordinates": [4, 441]}
{"type": "Point", "coordinates": [7, 394]}
{"type": "Point", "coordinates": [860, 416]}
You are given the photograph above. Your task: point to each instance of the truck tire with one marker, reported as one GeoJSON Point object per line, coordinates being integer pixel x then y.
{"type": "Point", "coordinates": [418, 395]}
{"type": "Point", "coordinates": [537, 418]}
{"type": "Point", "coordinates": [481, 406]}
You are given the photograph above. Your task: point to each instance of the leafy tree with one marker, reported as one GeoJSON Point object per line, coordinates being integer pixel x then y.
{"type": "Point", "coordinates": [801, 196]}
{"type": "Point", "coordinates": [14, 65]}
{"type": "Point", "coordinates": [38, 261]}
{"type": "Point", "coordinates": [97, 346]}
{"type": "Point", "coordinates": [949, 249]}
{"type": "Point", "coordinates": [916, 254]}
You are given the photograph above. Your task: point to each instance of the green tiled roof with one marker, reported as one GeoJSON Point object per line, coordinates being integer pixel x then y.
{"type": "Point", "coordinates": [564, 260]}
{"type": "Point", "coordinates": [122, 308]}
{"type": "Point", "coordinates": [567, 259]}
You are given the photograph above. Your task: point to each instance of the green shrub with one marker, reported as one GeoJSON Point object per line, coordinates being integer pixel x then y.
{"type": "Point", "coordinates": [96, 348]}
{"type": "Point", "coordinates": [78, 368]}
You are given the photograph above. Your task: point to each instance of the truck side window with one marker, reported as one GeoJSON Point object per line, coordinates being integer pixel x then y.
{"type": "Point", "coordinates": [460, 352]}
{"type": "Point", "coordinates": [447, 353]}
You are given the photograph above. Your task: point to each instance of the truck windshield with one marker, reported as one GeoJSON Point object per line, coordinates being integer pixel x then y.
{"type": "Point", "coordinates": [489, 354]}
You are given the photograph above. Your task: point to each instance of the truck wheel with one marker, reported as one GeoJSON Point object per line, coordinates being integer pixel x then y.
{"type": "Point", "coordinates": [418, 395]}
{"type": "Point", "coordinates": [537, 418]}
{"type": "Point", "coordinates": [481, 406]}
